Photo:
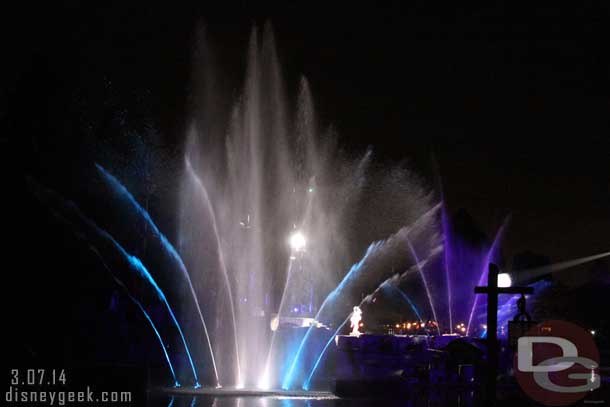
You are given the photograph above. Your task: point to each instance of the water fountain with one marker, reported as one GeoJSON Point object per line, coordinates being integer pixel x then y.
{"type": "Point", "coordinates": [285, 210]}
{"type": "Point", "coordinates": [273, 250]}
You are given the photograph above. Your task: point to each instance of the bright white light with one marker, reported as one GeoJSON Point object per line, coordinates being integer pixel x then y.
{"type": "Point", "coordinates": [593, 332]}
{"type": "Point", "coordinates": [504, 280]}
{"type": "Point", "coordinates": [264, 383]}
{"type": "Point", "coordinates": [297, 241]}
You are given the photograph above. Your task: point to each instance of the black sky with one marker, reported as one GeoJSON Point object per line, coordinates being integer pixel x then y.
{"type": "Point", "coordinates": [510, 100]}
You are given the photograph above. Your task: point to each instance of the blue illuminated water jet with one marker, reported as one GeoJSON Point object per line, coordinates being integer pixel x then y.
{"type": "Point", "coordinates": [307, 384]}
{"type": "Point", "coordinates": [152, 324]}
{"type": "Point", "coordinates": [391, 282]}
{"type": "Point", "coordinates": [264, 170]}
{"type": "Point", "coordinates": [110, 251]}
{"type": "Point", "coordinates": [168, 247]}
{"type": "Point", "coordinates": [137, 264]}
{"type": "Point", "coordinates": [408, 300]}
{"type": "Point", "coordinates": [374, 258]}
{"type": "Point", "coordinates": [289, 377]}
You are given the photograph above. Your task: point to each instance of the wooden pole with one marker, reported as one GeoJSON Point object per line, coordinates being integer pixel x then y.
{"type": "Point", "coordinates": [493, 291]}
{"type": "Point", "coordinates": [492, 331]}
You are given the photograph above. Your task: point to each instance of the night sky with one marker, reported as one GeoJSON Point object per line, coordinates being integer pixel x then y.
{"type": "Point", "coordinates": [507, 103]}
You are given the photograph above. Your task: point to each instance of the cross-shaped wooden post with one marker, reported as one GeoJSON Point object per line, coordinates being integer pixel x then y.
{"type": "Point", "coordinates": [492, 291]}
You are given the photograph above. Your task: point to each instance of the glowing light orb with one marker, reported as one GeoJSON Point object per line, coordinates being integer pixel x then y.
{"type": "Point", "coordinates": [297, 241]}
{"type": "Point", "coordinates": [504, 280]}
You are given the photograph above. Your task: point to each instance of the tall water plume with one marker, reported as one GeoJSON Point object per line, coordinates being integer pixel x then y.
{"type": "Point", "coordinates": [260, 170]}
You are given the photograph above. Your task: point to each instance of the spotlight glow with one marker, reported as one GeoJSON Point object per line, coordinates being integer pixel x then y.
{"type": "Point", "coordinates": [264, 384]}
{"type": "Point", "coordinates": [504, 280]}
{"type": "Point", "coordinates": [297, 241]}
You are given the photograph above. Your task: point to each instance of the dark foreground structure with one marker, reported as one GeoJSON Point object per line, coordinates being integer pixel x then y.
{"type": "Point", "coordinates": [386, 365]}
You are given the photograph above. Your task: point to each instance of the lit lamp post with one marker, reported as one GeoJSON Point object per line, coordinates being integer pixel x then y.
{"type": "Point", "coordinates": [496, 284]}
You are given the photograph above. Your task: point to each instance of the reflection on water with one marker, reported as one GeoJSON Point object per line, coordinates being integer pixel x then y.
{"type": "Point", "coordinates": [428, 400]}
{"type": "Point", "coordinates": [206, 401]}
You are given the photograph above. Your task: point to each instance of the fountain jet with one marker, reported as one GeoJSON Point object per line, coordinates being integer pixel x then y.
{"type": "Point", "coordinates": [127, 270]}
